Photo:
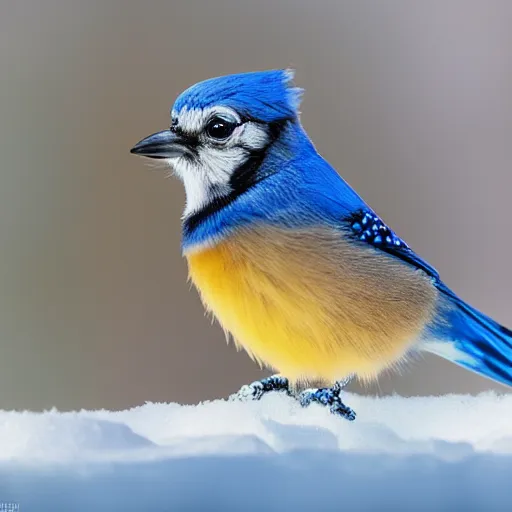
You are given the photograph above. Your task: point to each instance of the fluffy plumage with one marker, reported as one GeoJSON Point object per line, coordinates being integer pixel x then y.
{"type": "Point", "coordinates": [311, 304]}
{"type": "Point", "coordinates": [293, 263]}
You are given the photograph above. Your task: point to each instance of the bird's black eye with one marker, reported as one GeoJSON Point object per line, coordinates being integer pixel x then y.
{"type": "Point", "coordinates": [220, 129]}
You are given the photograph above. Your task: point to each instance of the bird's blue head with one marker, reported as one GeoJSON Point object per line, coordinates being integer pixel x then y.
{"type": "Point", "coordinates": [221, 132]}
{"type": "Point", "coordinates": [266, 96]}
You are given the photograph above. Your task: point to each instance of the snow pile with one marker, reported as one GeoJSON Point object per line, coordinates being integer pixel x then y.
{"type": "Point", "coordinates": [446, 453]}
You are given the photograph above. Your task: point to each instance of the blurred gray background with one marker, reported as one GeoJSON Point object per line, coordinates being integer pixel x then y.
{"type": "Point", "coordinates": [410, 100]}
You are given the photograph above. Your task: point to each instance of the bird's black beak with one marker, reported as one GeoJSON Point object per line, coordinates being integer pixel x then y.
{"type": "Point", "coordinates": [164, 144]}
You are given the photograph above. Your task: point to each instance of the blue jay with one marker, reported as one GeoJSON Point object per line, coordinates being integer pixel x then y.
{"type": "Point", "coordinates": [294, 265]}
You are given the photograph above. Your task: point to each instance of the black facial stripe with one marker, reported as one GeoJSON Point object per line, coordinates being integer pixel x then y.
{"type": "Point", "coordinates": [245, 176]}
{"type": "Point", "coordinates": [242, 179]}
{"type": "Point", "coordinates": [191, 141]}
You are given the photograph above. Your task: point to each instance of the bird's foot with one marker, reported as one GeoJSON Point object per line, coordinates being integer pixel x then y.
{"type": "Point", "coordinates": [259, 388]}
{"type": "Point", "coordinates": [329, 397]}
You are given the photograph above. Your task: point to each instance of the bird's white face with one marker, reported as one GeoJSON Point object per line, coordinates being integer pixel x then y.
{"type": "Point", "coordinates": [217, 143]}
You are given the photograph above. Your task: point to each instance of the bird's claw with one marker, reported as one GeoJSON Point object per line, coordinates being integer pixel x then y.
{"type": "Point", "coordinates": [257, 389]}
{"type": "Point", "coordinates": [329, 397]}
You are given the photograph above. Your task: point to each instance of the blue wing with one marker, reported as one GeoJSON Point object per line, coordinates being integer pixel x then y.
{"type": "Point", "coordinates": [327, 192]}
{"type": "Point", "coordinates": [367, 227]}
{"type": "Point", "coordinates": [471, 339]}
{"type": "Point", "coordinates": [480, 343]}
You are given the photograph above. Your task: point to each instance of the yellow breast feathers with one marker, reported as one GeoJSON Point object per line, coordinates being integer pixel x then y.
{"type": "Point", "coordinates": [311, 306]}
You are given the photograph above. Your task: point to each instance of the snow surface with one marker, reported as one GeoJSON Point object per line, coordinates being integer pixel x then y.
{"type": "Point", "coordinates": [411, 454]}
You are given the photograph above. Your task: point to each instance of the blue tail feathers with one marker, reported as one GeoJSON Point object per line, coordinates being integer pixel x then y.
{"type": "Point", "coordinates": [469, 338]}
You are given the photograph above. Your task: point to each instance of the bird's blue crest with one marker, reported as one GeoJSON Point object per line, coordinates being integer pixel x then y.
{"type": "Point", "coordinates": [264, 95]}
